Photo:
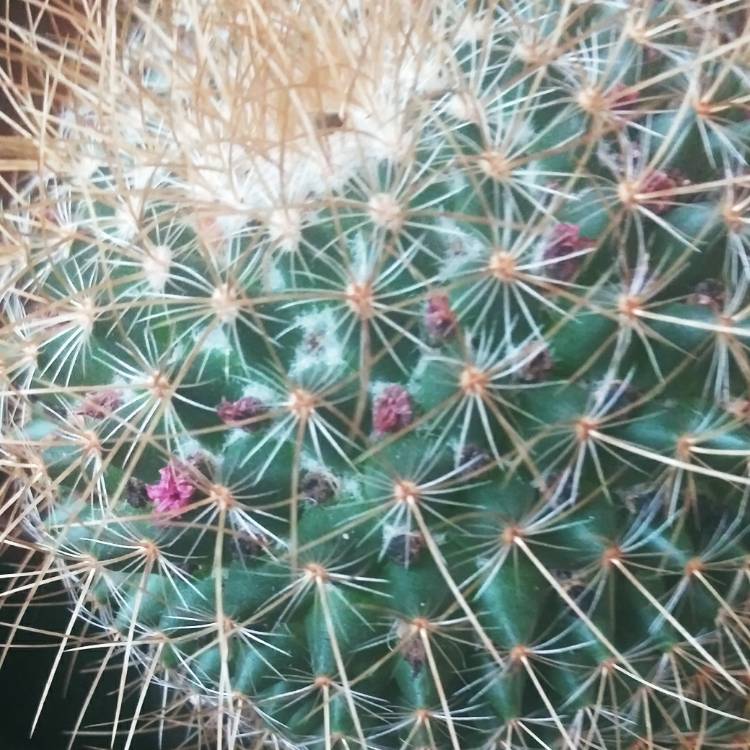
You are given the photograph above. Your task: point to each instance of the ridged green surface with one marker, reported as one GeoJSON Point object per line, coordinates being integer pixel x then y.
{"type": "Point", "coordinates": [462, 466]}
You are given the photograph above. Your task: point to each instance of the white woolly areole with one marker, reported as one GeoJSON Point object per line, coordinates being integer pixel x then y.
{"type": "Point", "coordinates": [465, 107]}
{"type": "Point", "coordinates": [464, 248]}
{"type": "Point", "coordinates": [361, 260]}
{"type": "Point", "coordinates": [262, 392]}
{"type": "Point", "coordinates": [156, 266]}
{"type": "Point", "coordinates": [285, 227]}
{"type": "Point", "coordinates": [217, 340]}
{"type": "Point", "coordinates": [320, 327]}
{"type": "Point", "coordinates": [386, 211]}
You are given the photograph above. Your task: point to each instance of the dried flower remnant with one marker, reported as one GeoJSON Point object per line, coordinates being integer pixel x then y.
{"type": "Point", "coordinates": [328, 121]}
{"type": "Point", "coordinates": [247, 545]}
{"type": "Point", "coordinates": [136, 493]}
{"type": "Point", "coordinates": [373, 338]}
{"type": "Point", "coordinates": [392, 410]}
{"type": "Point", "coordinates": [440, 319]}
{"type": "Point", "coordinates": [710, 292]}
{"type": "Point", "coordinates": [661, 182]}
{"type": "Point", "coordinates": [472, 457]}
{"type": "Point", "coordinates": [100, 404]}
{"type": "Point", "coordinates": [203, 465]}
{"type": "Point", "coordinates": [317, 488]}
{"type": "Point", "coordinates": [538, 367]}
{"type": "Point", "coordinates": [404, 549]}
{"type": "Point", "coordinates": [562, 253]}
{"type": "Point", "coordinates": [623, 101]}
{"type": "Point", "coordinates": [236, 413]}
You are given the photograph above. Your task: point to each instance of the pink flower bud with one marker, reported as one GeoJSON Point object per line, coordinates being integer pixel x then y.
{"type": "Point", "coordinates": [174, 490]}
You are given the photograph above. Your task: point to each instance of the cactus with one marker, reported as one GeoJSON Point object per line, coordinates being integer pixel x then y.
{"type": "Point", "coordinates": [377, 372]}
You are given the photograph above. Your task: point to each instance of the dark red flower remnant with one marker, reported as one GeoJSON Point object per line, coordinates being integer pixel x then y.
{"type": "Point", "coordinates": [472, 457]}
{"type": "Point", "coordinates": [710, 292]}
{"type": "Point", "coordinates": [174, 490]}
{"type": "Point", "coordinates": [236, 412]}
{"type": "Point", "coordinates": [403, 549]}
{"type": "Point", "coordinates": [392, 410]}
{"type": "Point", "coordinates": [564, 240]}
{"type": "Point", "coordinates": [317, 488]}
{"type": "Point", "coordinates": [440, 320]}
{"type": "Point", "coordinates": [623, 99]}
{"type": "Point", "coordinates": [538, 367]}
{"type": "Point", "coordinates": [249, 544]}
{"type": "Point", "coordinates": [99, 404]}
{"type": "Point", "coordinates": [656, 182]}
{"type": "Point", "coordinates": [136, 493]}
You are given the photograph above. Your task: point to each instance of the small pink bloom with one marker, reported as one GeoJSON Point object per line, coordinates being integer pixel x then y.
{"type": "Point", "coordinates": [233, 412]}
{"type": "Point", "coordinates": [99, 404]}
{"type": "Point", "coordinates": [174, 490]}
{"type": "Point", "coordinates": [564, 240]}
{"type": "Point", "coordinates": [440, 319]}
{"type": "Point", "coordinates": [392, 410]}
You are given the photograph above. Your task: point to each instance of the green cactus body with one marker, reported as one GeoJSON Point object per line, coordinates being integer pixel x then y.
{"type": "Point", "coordinates": [451, 453]}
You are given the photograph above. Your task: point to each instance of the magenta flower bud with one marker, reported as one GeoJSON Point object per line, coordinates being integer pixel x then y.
{"type": "Point", "coordinates": [440, 320]}
{"type": "Point", "coordinates": [392, 410]}
{"type": "Point", "coordinates": [564, 240]}
{"type": "Point", "coordinates": [174, 490]}
{"type": "Point", "coordinates": [236, 412]}
{"type": "Point", "coordinates": [99, 404]}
